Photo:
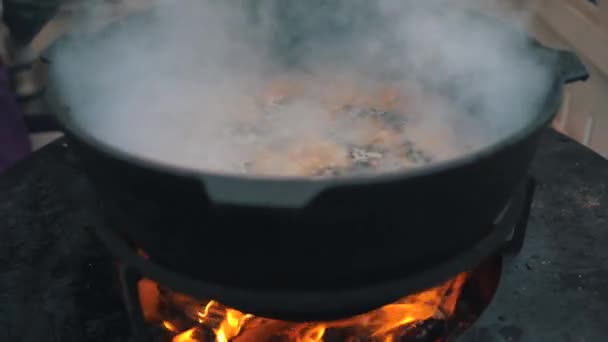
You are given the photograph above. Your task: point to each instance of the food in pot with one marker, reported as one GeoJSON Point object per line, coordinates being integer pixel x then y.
{"type": "Point", "coordinates": [356, 130]}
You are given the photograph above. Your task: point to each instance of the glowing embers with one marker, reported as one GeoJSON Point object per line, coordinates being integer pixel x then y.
{"type": "Point", "coordinates": [190, 320]}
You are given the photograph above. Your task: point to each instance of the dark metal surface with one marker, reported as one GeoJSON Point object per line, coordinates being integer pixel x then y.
{"type": "Point", "coordinates": [516, 243]}
{"type": "Point", "coordinates": [306, 306]}
{"type": "Point", "coordinates": [57, 283]}
{"type": "Point", "coordinates": [556, 289]}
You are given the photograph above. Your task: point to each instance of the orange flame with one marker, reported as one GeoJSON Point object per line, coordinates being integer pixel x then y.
{"type": "Point", "coordinates": [186, 336]}
{"type": "Point", "coordinates": [385, 324]}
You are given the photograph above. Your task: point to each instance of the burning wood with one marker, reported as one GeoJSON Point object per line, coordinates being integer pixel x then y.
{"type": "Point", "coordinates": [417, 317]}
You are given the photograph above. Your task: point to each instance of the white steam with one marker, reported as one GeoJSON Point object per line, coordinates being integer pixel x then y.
{"type": "Point", "coordinates": [172, 84]}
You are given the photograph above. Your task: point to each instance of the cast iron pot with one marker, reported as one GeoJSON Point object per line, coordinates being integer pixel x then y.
{"type": "Point", "coordinates": [286, 247]}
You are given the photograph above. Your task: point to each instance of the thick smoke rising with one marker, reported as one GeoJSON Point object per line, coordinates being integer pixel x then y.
{"type": "Point", "coordinates": [176, 82]}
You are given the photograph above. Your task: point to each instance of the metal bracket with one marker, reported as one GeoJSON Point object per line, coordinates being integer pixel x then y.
{"type": "Point", "coordinates": [516, 243]}
{"type": "Point", "coordinates": [129, 279]}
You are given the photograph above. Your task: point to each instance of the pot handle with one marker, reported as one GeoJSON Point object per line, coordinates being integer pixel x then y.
{"type": "Point", "coordinates": [570, 68]}
{"type": "Point", "coordinates": [265, 193]}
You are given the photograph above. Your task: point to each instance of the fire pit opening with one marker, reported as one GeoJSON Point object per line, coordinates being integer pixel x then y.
{"type": "Point", "coordinates": [438, 314]}
{"type": "Point", "coordinates": [435, 305]}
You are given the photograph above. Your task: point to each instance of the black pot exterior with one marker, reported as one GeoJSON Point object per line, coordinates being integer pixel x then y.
{"type": "Point", "coordinates": [347, 236]}
{"type": "Point", "coordinates": [313, 235]}
{"type": "Point", "coordinates": [348, 233]}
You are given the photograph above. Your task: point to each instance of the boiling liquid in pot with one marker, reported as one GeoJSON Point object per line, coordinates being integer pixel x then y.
{"type": "Point", "coordinates": [198, 86]}
{"type": "Point", "coordinates": [353, 130]}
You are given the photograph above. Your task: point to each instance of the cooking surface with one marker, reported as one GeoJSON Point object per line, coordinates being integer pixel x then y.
{"type": "Point", "coordinates": [56, 282]}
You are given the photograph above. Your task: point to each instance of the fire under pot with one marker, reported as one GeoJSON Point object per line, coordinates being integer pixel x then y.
{"type": "Point", "coordinates": [436, 305]}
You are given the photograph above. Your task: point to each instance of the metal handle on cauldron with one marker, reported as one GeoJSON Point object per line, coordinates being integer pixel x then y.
{"type": "Point", "coordinates": [570, 68]}
{"type": "Point", "coordinates": [262, 193]}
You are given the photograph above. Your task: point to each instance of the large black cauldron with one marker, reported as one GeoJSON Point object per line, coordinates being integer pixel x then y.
{"type": "Point", "coordinates": [286, 237]}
